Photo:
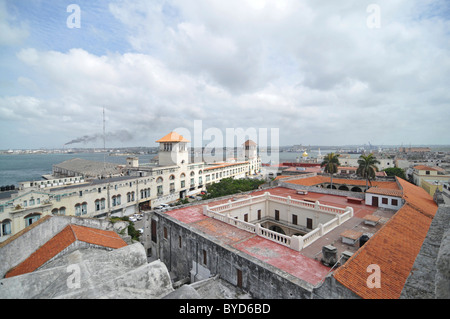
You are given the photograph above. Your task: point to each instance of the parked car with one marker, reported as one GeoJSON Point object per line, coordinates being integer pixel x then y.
{"type": "Point", "coordinates": [141, 230]}
{"type": "Point", "coordinates": [132, 219]}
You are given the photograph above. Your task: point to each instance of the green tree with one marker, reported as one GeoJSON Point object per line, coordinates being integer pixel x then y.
{"type": "Point", "coordinates": [395, 171]}
{"type": "Point", "coordinates": [331, 163]}
{"type": "Point", "coordinates": [228, 186]}
{"type": "Point", "coordinates": [367, 167]}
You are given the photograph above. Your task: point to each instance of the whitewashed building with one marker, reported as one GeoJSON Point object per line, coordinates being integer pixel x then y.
{"type": "Point", "coordinates": [136, 187]}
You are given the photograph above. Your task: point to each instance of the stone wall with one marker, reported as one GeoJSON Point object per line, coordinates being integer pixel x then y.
{"type": "Point", "coordinates": [18, 248]}
{"type": "Point", "coordinates": [431, 276]}
{"type": "Point", "coordinates": [259, 279]}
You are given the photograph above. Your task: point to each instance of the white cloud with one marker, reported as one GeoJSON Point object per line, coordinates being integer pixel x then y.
{"type": "Point", "coordinates": [313, 69]}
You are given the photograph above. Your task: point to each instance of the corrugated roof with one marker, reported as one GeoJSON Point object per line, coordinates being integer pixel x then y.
{"type": "Point", "coordinates": [88, 168]}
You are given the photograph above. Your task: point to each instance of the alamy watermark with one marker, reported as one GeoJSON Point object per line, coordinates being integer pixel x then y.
{"type": "Point", "coordinates": [74, 19]}
{"type": "Point", "coordinates": [373, 21]}
{"type": "Point", "coordinates": [216, 145]}
{"type": "Point", "coordinates": [374, 279]}
{"type": "Point", "coordinates": [74, 279]}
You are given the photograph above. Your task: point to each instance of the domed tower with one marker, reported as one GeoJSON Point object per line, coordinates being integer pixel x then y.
{"type": "Point", "coordinates": [173, 150]}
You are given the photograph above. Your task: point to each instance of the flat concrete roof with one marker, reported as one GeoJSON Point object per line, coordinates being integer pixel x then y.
{"type": "Point", "coordinates": [305, 264]}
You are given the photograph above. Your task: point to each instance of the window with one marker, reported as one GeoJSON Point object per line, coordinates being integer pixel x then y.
{"type": "Point", "coordinates": [6, 228]}
{"type": "Point", "coordinates": [84, 208]}
{"type": "Point", "coordinates": [31, 219]}
{"type": "Point", "coordinates": [179, 241]}
{"type": "Point", "coordinates": [245, 217]}
{"type": "Point", "coordinates": [277, 214]}
{"type": "Point", "coordinates": [77, 210]}
{"type": "Point", "coordinates": [394, 202]}
{"type": "Point", "coordinates": [154, 231]}
{"type": "Point", "coordinates": [259, 213]}
{"type": "Point", "coordinates": [294, 219]}
{"type": "Point", "coordinates": [167, 147]}
{"type": "Point", "coordinates": [165, 232]}
{"type": "Point", "coordinates": [160, 190]}
{"type": "Point", "coordinates": [183, 184]}
{"type": "Point", "coordinates": [205, 259]}
{"type": "Point", "coordinates": [309, 223]}
{"type": "Point", "coordinates": [384, 200]}
{"type": "Point", "coordinates": [97, 205]}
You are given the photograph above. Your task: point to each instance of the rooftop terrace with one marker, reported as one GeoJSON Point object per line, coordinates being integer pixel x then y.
{"type": "Point", "coordinates": [304, 264]}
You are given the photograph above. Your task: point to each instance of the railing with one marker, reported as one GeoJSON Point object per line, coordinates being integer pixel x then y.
{"type": "Point", "coordinates": [252, 228]}
{"type": "Point", "coordinates": [284, 200]}
{"type": "Point", "coordinates": [274, 236]}
{"type": "Point", "coordinates": [341, 215]}
{"type": "Point", "coordinates": [310, 237]}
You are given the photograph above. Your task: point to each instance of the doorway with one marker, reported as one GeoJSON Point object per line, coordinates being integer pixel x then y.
{"type": "Point", "coordinates": [239, 278]}
{"type": "Point", "coordinates": [375, 201]}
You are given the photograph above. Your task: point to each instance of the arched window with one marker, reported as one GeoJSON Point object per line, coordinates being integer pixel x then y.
{"type": "Point", "coordinates": [31, 218]}
{"type": "Point", "coordinates": [62, 211]}
{"type": "Point", "coordinates": [200, 172]}
{"type": "Point", "coordinates": [182, 175]}
{"type": "Point", "coordinates": [192, 173]}
{"type": "Point", "coordinates": [77, 209]}
{"type": "Point", "coordinates": [84, 208]}
{"type": "Point", "coordinates": [172, 177]}
{"type": "Point", "coordinates": [55, 211]}
{"type": "Point", "coordinates": [5, 227]}
{"type": "Point", "coordinates": [159, 180]}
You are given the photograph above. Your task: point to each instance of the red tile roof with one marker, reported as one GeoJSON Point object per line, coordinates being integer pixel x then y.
{"type": "Point", "coordinates": [385, 191]}
{"type": "Point", "coordinates": [320, 179]}
{"type": "Point", "coordinates": [424, 168]}
{"type": "Point", "coordinates": [172, 137]}
{"type": "Point", "coordinates": [393, 248]}
{"type": "Point", "coordinates": [61, 241]}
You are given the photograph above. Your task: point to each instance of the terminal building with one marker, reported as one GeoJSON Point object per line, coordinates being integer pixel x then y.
{"type": "Point", "coordinates": [93, 189]}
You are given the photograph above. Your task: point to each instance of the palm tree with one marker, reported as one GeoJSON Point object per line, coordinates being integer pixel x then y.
{"type": "Point", "coordinates": [367, 167]}
{"type": "Point", "coordinates": [331, 164]}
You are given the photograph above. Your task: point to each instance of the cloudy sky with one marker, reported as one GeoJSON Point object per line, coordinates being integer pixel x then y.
{"type": "Point", "coordinates": [320, 72]}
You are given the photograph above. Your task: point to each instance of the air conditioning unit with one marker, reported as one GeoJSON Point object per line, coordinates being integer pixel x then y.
{"type": "Point", "coordinates": [329, 255]}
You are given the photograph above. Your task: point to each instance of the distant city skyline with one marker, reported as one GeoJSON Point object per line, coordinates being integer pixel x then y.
{"type": "Point", "coordinates": [320, 72]}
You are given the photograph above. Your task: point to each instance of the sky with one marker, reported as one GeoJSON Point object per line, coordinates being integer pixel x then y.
{"type": "Point", "coordinates": [310, 72]}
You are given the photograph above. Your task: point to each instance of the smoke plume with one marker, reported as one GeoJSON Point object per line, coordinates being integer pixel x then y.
{"type": "Point", "coordinates": [121, 135]}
